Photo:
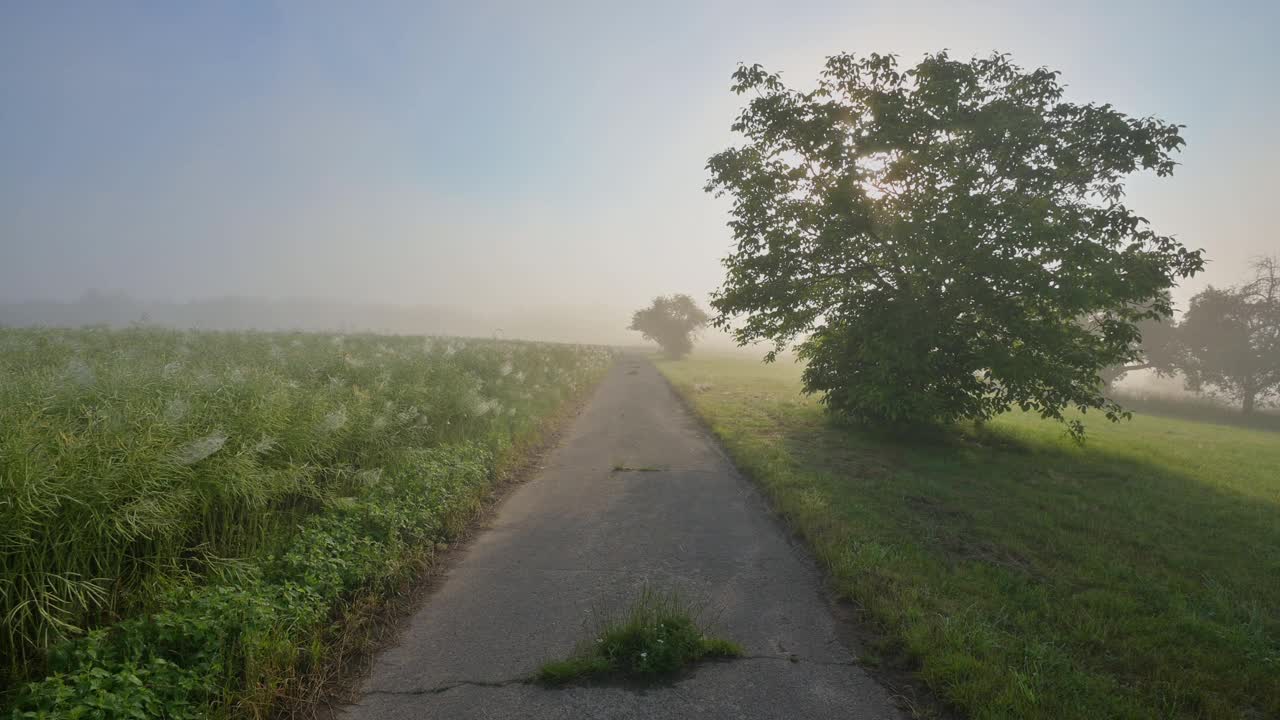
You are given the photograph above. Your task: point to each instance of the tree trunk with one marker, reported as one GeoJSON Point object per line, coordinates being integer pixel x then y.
{"type": "Point", "coordinates": [1248, 402]}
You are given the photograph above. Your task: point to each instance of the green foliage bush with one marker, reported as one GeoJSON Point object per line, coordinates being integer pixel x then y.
{"type": "Point", "coordinates": [658, 636]}
{"type": "Point", "coordinates": [209, 581]}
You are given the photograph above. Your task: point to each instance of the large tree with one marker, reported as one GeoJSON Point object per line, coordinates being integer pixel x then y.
{"type": "Point", "coordinates": [1231, 339]}
{"type": "Point", "coordinates": [672, 322]}
{"type": "Point", "coordinates": [931, 236]}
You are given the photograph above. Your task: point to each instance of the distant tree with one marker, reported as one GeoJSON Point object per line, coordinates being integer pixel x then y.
{"type": "Point", "coordinates": [931, 236]}
{"type": "Point", "coordinates": [672, 322]}
{"type": "Point", "coordinates": [1157, 348]}
{"type": "Point", "coordinates": [1231, 339]}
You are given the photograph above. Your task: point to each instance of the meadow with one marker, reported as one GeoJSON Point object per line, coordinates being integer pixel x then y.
{"type": "Point", "coordinates": [184, 515]}
{"type": "Point", "coordinates": [1018, 574]}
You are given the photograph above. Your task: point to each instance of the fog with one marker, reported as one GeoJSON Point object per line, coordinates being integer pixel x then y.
{"type": "Point", "coordinates": [548, 322]}
{"type": "Point", "coordinates": [533, 170]}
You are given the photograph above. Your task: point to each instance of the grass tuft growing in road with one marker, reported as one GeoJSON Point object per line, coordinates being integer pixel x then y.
{"type": "Point", "coordinates": [657, 637]}
{"type": "Point", "coordinates": [1020, 575]}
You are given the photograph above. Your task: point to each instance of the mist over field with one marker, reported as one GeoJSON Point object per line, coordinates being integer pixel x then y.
{"type": "Point", "coordinates": [408, 358]}
{"type": "Point", "coordinates": [535, 168]}
{"type": "Point", "coordinates": [246, 313]}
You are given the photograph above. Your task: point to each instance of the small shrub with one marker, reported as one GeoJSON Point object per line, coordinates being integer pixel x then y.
{"type": "Point", "coordinates": [658, 636]}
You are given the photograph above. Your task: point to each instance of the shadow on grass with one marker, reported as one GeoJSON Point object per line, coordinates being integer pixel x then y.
{"type": "Point", "coordinates": [1027, 576]}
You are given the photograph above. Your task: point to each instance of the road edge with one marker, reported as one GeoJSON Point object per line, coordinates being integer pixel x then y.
{"type": "Point", "coordinates": [375, 620]}
{"type": "Point", "coordinates": [895, 672]}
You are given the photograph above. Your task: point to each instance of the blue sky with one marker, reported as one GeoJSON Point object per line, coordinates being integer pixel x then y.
{"type": "Point", "coordinates": [534, 153]}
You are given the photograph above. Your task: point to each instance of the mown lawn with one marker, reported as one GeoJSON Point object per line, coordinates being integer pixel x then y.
{"type": "Point", "coordinates": [1020, 575]}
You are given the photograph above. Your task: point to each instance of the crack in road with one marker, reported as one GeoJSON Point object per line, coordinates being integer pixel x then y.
{"type": "Point", "coordinates": [799, 660]}
{"type": "Point", "coordinates": [530, 680]}
{"type": "Point", "coordinates": [522, 680]}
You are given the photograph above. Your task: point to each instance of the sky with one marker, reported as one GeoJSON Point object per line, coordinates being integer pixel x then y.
{"type": "Point", "coordinates": [523, 154]}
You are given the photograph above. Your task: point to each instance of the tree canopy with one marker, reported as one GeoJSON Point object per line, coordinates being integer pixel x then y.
{"type": "Point", "coordinates": [672, 322]}
{"type": "Point", "coordinates": [930, 237]}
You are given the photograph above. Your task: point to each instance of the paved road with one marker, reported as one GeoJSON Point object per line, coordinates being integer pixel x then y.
{"type": "Point", "coordinates": [581, 536]}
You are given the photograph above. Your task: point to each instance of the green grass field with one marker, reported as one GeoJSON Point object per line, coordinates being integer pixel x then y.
{"type": "Point", "coordinates": [1023, 576]}
{"type": "Point", "coordinates": [187, 517]}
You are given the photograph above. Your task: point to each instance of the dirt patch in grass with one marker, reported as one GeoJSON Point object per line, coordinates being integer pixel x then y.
{"type": "Point", "coordinates": [886, 659]}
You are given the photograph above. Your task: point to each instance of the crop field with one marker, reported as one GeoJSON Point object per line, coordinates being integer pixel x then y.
{"type": "Point", "coordinates": [183, 513]}
{"type": "Point", "coordinates": [1022, 575]}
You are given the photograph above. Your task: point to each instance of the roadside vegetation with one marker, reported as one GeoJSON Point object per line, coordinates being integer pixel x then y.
{"type": "Point", "coordinates": [658, 636]}
{"type": "Point", "coordinates": [185, 515]}
{"type": "Point", "coordinates": [1019, 573]}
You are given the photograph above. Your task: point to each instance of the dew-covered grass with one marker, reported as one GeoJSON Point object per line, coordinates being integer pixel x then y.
{"type": "Point", "coordinates": [144, 471]}
{"type": "Point", "coordinates": [1021, 575]}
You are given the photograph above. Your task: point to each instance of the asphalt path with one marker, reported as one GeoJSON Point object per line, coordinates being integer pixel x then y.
{"type": "Point", "coordinates": [636, 495]}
